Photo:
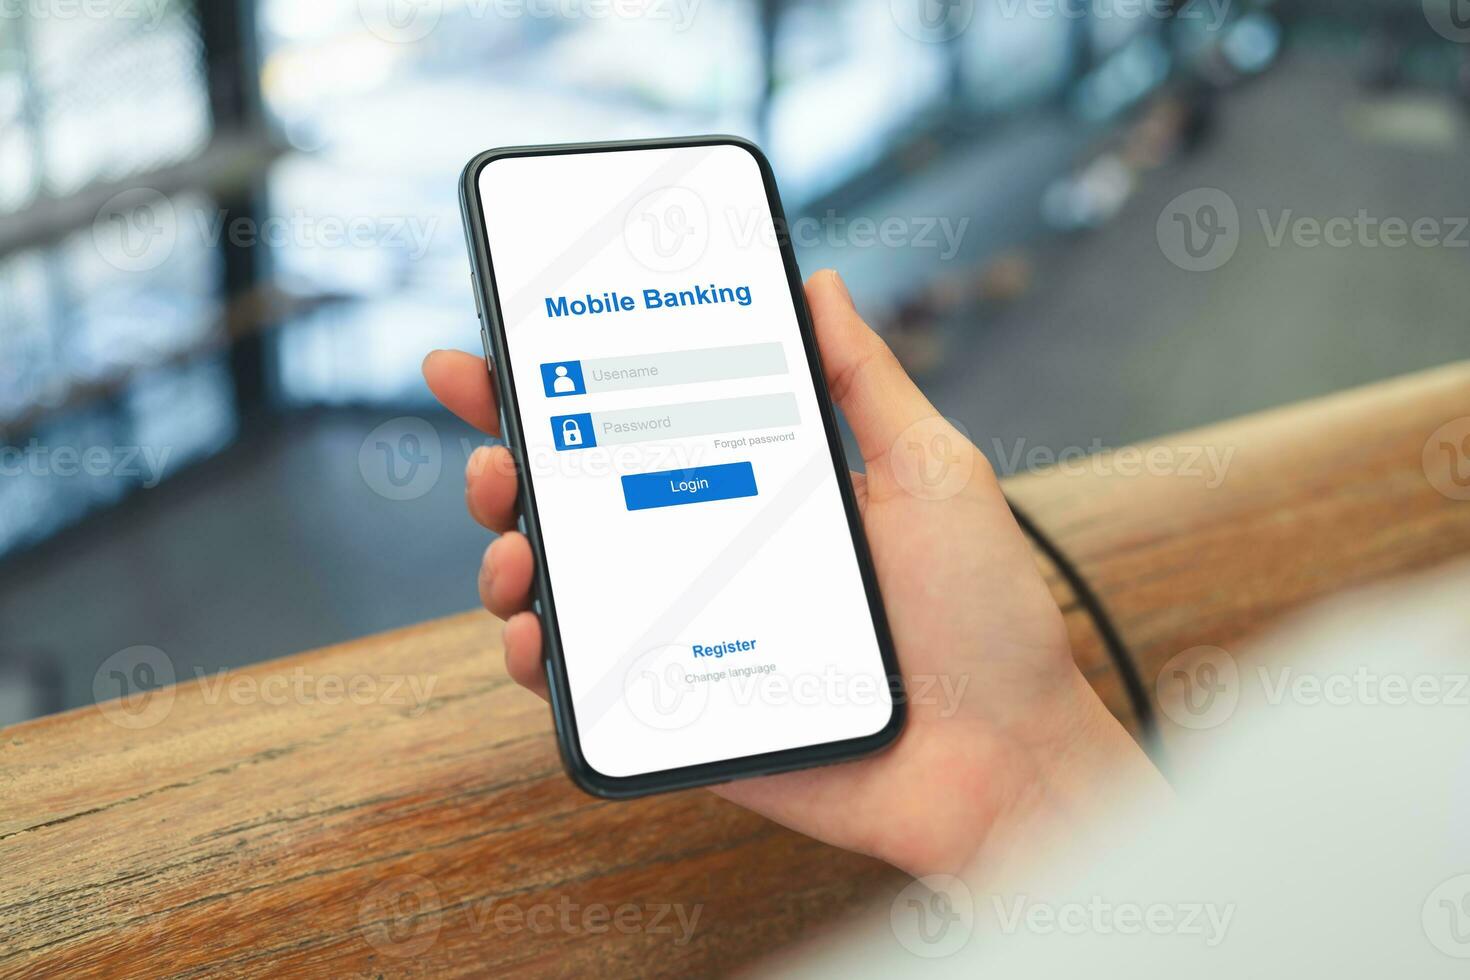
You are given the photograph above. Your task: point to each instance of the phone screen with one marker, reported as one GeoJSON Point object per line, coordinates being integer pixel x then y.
{"type": "Point", "coordinates": [707, 588]}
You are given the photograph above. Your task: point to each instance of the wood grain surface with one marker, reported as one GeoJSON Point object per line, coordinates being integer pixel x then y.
{"type": "Point", "coordinates": [395, 806]}
{"type": "Point", "coordinates": [1315, 499]}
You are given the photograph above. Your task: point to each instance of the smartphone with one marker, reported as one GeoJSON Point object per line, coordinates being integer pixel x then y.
{"type": "Point", "coordinates": [709, 606]}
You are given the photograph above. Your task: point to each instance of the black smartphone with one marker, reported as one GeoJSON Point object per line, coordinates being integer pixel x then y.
{"type": "Point", "coordinates": [709, 606]}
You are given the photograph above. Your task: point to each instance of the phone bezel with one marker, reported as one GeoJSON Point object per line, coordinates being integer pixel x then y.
{"type": "Point", "coordinates": [498, 363]}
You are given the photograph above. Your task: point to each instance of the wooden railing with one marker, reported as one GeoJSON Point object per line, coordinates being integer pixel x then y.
{"type": "Point", "coordinates": [395, 805]}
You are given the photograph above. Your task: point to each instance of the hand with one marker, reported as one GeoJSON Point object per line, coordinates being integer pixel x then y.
{"type": "Point", "coordinates": [1010, 738]}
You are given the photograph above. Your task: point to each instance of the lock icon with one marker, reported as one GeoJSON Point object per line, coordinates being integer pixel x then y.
{"type": "Point", "coordinates": [573, 432]}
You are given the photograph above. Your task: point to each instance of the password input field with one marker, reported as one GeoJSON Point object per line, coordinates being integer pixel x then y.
{"type": "Point", "coordinates": [677, 367]}
{"type": "Point", "coordinates": [695, 418]}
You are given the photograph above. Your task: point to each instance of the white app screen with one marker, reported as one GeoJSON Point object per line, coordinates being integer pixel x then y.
{"type": "Point", "coordinates": [708, 594]}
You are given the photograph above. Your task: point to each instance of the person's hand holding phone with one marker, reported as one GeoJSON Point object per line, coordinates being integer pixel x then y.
{"type": "Point", "coordinates": [1007, 736]}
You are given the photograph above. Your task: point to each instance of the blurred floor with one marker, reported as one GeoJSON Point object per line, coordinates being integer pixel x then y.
{"type": "Point", "coordinates": [1116, 344]}
{"type": "Point", "coordinates": [276, 547]}
{"type": "Point", "coordinates": [1111, 344]}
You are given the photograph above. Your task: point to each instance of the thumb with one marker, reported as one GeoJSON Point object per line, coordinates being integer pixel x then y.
{"type": "Point", "coordinates": [882, 404]}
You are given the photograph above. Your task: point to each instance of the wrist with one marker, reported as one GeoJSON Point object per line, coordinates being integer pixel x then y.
{"type": "Point", "coordinates": [1082, 770]}
{"type": "Point", "coordinates": [1000, 797]}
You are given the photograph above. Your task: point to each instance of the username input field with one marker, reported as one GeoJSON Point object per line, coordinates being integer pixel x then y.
{"type": "Point", "coordinates": [695, 418]}
{"type": "Point", "coordinates": [677, 367]}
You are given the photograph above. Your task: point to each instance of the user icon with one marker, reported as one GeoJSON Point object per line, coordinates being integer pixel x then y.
{"type": "Point", "coordinates": [562, 378]}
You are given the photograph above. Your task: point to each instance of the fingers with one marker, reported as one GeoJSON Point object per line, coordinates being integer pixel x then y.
{"type": "Point", "coordinates": [505, 575]}
{"type": "Point", "coordinates": [462, 383]}
{"type": "Point", "coordinates": [523, 652]}
{"type": "Point", "coordinates": [490, 487]}
{"type": "Point", "coordinates": [866, 380]}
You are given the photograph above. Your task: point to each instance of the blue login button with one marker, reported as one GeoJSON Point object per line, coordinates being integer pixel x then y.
{"type": "Point", "coordinates": [669, 488]}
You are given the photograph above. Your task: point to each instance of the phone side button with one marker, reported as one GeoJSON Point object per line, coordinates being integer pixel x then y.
{"type": "Point", "coordinates": [489, 354]}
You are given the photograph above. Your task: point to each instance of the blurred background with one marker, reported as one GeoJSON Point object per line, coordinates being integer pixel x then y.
{"type": "Point", "coordinates": [229, 233]}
